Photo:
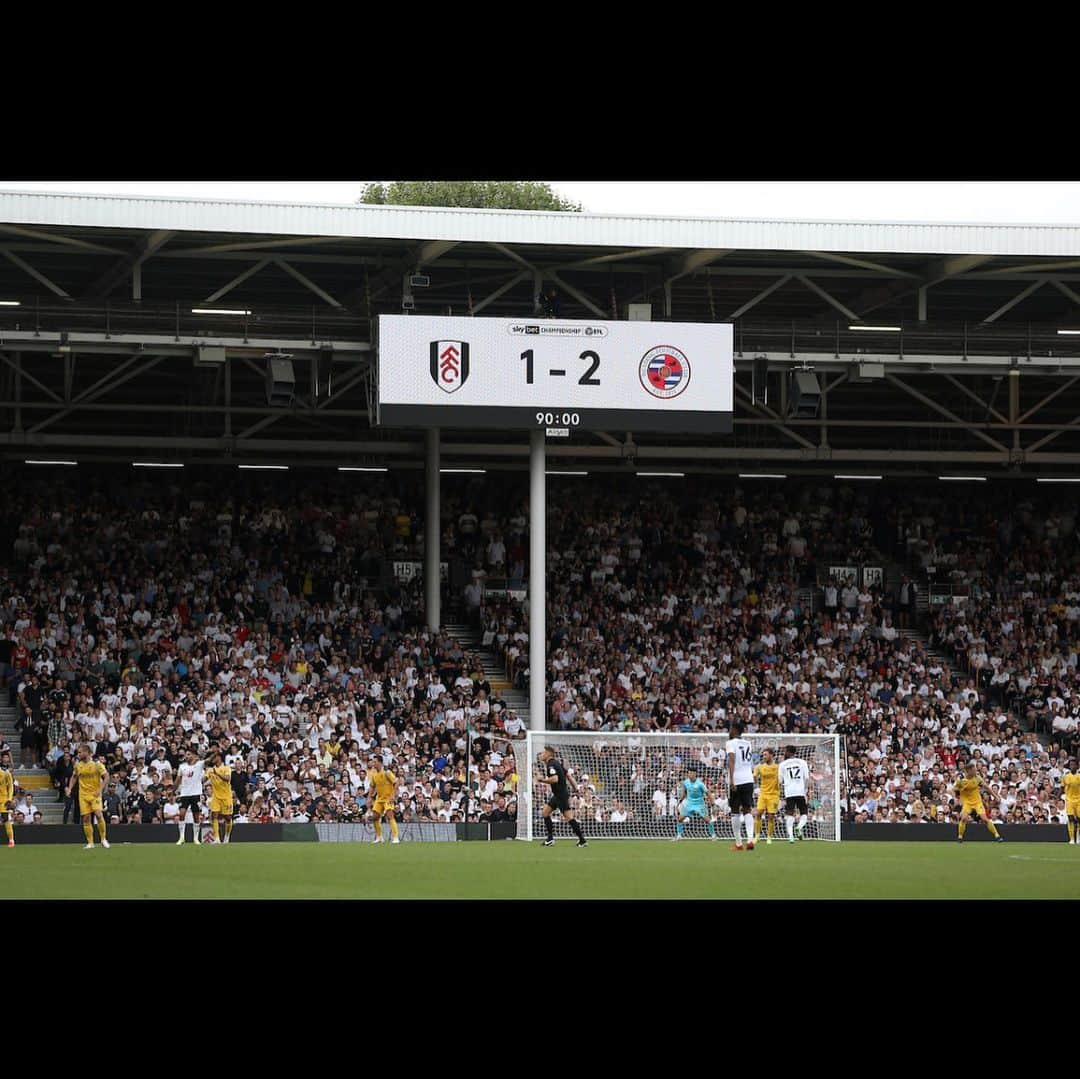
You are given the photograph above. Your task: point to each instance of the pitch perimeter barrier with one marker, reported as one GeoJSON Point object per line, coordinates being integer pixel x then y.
{"type": "Point", "coordinates": [418, 832]}
{"type": "Point", "coordinates": [431, 832]}
{"type": "Point", "coordinates": [413, 832]}
{"type": "Point", "coordinates": [160, 833]}
{"type": "Point", "coordinates": [941, 833]}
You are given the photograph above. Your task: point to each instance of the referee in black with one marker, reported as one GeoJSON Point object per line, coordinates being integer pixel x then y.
{"type": "Point", "coordinates": [555, 776]}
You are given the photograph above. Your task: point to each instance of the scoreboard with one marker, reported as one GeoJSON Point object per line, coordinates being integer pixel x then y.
{"type": "Point", "coordinates": [560, 375]}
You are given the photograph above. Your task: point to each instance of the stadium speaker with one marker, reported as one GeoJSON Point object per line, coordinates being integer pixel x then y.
{"type": "Point", "coordinates": [804, 397]}
{"type": "Point", "coordinates": [325, 374]}
{"type": "Point", "coordinates": [280, 382]}
{"type": "Point", "coordinates": [760, 389]}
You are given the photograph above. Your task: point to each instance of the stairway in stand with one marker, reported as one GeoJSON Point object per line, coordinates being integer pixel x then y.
{"type": "Point", "coordinates": [29, 779]}
{"type": "Point", "coordinates": [957, 673]}
{"type": "Point", "coordinates": [470, 639]}
{"type": "Point", "coordinates": [923, 642]}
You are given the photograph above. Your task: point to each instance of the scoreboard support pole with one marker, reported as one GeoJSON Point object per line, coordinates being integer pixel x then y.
{"type": "Point", "coordinates": [432, 531]}
{"type": "Point", "coordinates": [537, 581]}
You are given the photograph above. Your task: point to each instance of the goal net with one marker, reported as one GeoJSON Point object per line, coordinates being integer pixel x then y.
{"type": "Point", "coordinates": [629, 785]}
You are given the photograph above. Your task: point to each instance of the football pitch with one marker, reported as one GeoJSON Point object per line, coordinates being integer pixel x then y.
{"type": "Point", "coordinates": [514, 870]}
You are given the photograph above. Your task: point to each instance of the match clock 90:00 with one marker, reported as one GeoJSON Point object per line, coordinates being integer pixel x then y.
{"type": "Point", "coordinates": [557, 419]}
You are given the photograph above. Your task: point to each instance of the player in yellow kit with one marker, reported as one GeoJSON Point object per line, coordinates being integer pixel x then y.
{"type": "Point", "coordinates": [767, 773]}
{"type": "Point", "coordinates": [7, 803]}
{"type": "Point", "coordinates": [383, 787]}
{"type": "Point", "coordinates": [91, 777]}
{"type": "Point", "coordinates": [971, 803]}
{"type": "Point", "coordinates": [1071, 782]}
{"type": "Point", "coordinates": [221, 797]}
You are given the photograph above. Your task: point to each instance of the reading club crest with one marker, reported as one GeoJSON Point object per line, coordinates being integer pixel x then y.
{"type": "Point", "coordinates": [450, 364]}
{"type": "Point", "coordinates": [664, 371]}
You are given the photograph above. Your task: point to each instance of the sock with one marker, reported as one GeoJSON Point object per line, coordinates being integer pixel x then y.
{"type": "Point", "coordinates": [214, 826]}
{"type": "Point", "coordinates": [748, 822]}
{"type": "Point", "coordinates": [1071, 828]}
{"type": "Point", "coordinates": [679, 830]}
{"type": "Point", "coordinates": [963, 828]}
{"type": "Point", "coordinates": [790, 822]}
{"type": "Point", "coordinates": [393, 827]}
{"type": "Point", "coordinates": [772, 825]}
{"type": "Point", "coordinates": [736, 826]}
{"type": "Point", "coordinates": [576, 827]}
{"type": "Point", "coordinates": [183, 829]}
{"type": "Point", "coordinates": [990, 825]}
{"type": "Point", "coordinates": [88, 831]}
{"type": "Point", "coordinates": [228, 828]}
{"type": "Point", "coordinates": [10, 829]}
{"type": "Point", "coordinates": [712, 829]}
{"type": "Point", "coordinates": [549, 827]}
{"type": "Point", "coordinates": [378, 828]}
{"type": "Point", "coordinates": [802, 822]}
{"type": "Point", "coordinates": [101, 829]}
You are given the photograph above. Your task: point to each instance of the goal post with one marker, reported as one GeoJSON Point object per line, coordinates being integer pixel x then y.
{"type": "Point", "coordinates": [629, 784]}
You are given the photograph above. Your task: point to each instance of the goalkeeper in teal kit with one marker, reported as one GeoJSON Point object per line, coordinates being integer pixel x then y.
{"type": "Point", "coordinates": [693, 803]}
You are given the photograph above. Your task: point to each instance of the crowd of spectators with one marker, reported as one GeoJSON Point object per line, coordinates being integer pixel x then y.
{"type": "Point", "coordinates": [263, 620]}
{"type": "Point", "coordinates": [675, 612]}
{"type": "Point", "coordinates": [266, 617]}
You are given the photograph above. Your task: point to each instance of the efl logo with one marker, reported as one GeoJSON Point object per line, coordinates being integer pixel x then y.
{"type": "Point", "coordinates": [449, 364]}
{"type": "Point", "coordinates": [664, 371]}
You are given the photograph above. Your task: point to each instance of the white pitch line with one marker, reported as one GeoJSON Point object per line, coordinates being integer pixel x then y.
{"type": "Point", "coordinates": [1026, 858]}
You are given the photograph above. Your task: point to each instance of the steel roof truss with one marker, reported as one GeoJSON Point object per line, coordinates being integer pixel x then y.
{"type": "Point", "coordinates": [37, 275]}
{"type": "Point", "coordinates": [1023, 295]}
{"type": "Point", "coordinates": [900, 384]}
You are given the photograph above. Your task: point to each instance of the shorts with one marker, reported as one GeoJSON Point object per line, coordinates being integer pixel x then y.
{"type": "Point", "coordinates": [380, 809]}
{"type": "Point", "coordinates": [1072, 809]}
{"type": "Point", "coordinates": [967, 808]}
{"type": "Point", "coordinates": [796, 807]}
{"type": "Point", "coordinates": [88, 806]}
{"type": "Point", "coordinates": [562, 804]}
{"type": "Point", "coordinates": [696, 810]}
{"type": "Point", "coordinates": [222, 808]}
{"type": "Point", "coordinates": [189, 801]}
{"type": "Point", "coordinates": [742, 798]}
{"type": "Point", "coordinates": [769, 803]}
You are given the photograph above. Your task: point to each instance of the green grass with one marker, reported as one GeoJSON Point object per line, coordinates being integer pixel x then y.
{"type": "Point", "coordinates": [613, 869]}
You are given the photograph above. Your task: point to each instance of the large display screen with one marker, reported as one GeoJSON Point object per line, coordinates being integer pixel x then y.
{"type": "Point", "coordinates": [555, 374]}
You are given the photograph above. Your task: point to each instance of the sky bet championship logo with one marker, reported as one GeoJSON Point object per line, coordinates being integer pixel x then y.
{"type": "Point", "coordinates": [450, 364]}
{"type": "Point", "coordinates": [664, 371]}
{"type": "Point", "coordinates": [555, 329]}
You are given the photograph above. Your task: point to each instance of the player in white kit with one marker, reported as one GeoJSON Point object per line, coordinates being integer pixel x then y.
{"type": "Point", "coordinates": [740, 754]}
{"type": "Point", "coordinates": [191, 785]}
{"type": "Point", "coordinates": [795, 778]}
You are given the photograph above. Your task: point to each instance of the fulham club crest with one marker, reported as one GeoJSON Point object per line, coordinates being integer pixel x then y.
{"type": "Point", "coordinates": [450, 364]}
{"type": "Point", "coordinates": [664, 371]}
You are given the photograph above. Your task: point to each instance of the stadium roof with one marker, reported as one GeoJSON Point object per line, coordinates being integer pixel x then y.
{"type": "Point", "coordinates": [533, 227]}
{"type": "Point", "coordinates": [106, 344]}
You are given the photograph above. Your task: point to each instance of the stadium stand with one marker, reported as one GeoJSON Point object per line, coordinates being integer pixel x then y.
{"type": "Point", "coordinates": [268, 619]}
